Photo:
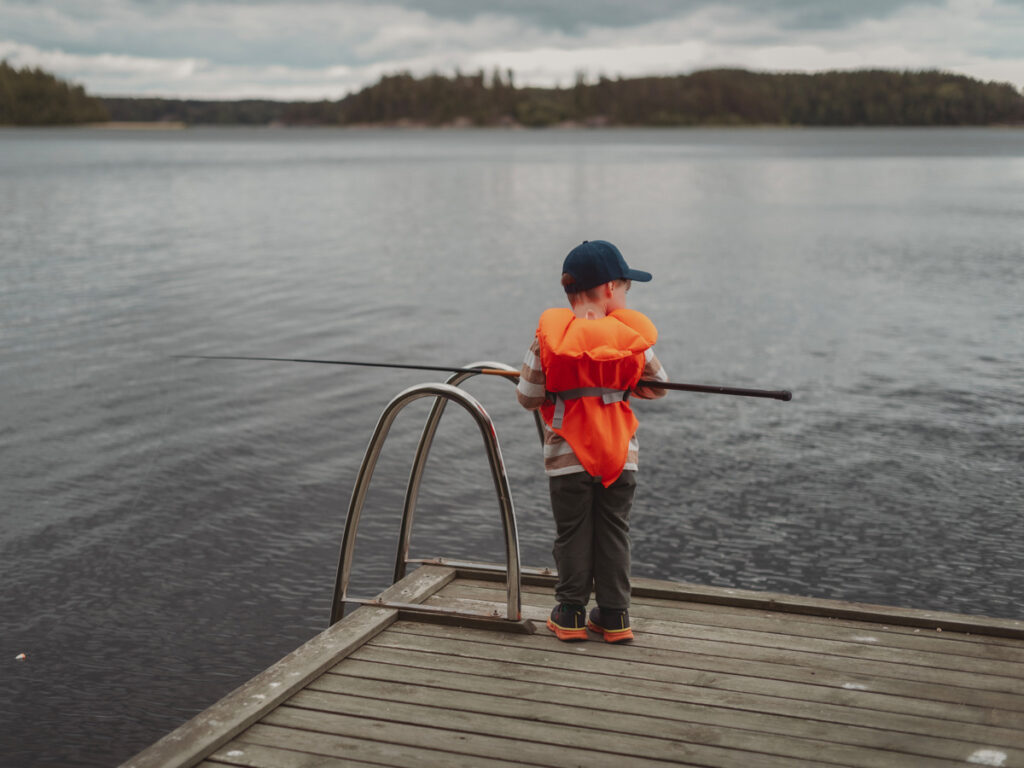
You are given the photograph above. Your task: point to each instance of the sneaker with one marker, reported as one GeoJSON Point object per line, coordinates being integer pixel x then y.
{"type": "Point", "coordinates": [614, 625]}
{"type": "Point", "coordinates": [568, 621]}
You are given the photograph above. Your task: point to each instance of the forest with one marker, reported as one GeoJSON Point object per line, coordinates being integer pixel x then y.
{"type": "Point", "coordinates": [711, 97]}
{"type": "Point", "coordinates": [34, 97]}
{"type": "Point", "coordinates": [719, 97]}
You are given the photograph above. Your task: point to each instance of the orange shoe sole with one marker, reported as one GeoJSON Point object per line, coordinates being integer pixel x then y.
{"type": "Point", "coordinates": [566, 634]}
{"type": "Point", "coordinates": [611, 635]}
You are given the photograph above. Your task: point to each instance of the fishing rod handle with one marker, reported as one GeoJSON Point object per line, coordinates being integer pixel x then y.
{"type": "Point", "coordinates": [777, 394]}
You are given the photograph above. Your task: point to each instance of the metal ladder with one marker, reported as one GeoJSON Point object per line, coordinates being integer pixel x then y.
{"type": "Point", "coordinates": [448, 391]}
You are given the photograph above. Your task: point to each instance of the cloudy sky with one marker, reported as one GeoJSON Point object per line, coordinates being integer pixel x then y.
{"type": "Point", "coordinates": [314, 49]}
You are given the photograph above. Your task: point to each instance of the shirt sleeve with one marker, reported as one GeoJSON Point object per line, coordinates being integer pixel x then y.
{"type": "Point", "coordinates": [531, 390]}
{"type": "Point", "coordinates": [652, 370]}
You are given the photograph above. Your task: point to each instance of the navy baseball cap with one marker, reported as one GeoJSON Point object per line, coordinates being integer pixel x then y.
{"type": "Point", "coordinates": [596, 262]}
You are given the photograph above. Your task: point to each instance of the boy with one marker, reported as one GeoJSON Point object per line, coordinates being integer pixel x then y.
{"type": "Point", "coordinates": [583, 365]}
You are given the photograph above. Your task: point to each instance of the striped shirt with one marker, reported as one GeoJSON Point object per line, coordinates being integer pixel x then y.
{"type": "Point", "coordinates": [559, 458]}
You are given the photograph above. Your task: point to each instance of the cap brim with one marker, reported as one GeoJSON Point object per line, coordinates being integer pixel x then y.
{"type": "Point", "coordinates": [638, 275]}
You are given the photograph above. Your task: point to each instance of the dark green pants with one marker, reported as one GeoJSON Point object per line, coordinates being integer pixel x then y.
{"type": "Point", "coordinates": [592, 538]}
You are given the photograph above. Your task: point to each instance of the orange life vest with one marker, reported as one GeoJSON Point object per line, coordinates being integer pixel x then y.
{"type": "Point", "coordinates": [590, 366]}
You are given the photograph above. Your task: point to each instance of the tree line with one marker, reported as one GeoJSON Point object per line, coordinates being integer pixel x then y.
{"type": "Point", "coordinates": [33, 97]}
{"type": "Point", "coordinates": [707, 98]}
{"type": "Point", "coordinates": [711, 97]}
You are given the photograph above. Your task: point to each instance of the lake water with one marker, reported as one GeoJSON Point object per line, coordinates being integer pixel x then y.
{"type": "Point", "coordinates": [170, 527]}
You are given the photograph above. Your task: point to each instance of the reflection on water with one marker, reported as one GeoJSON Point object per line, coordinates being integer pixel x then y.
{"type": "Point", "coordinates": [171, 526]}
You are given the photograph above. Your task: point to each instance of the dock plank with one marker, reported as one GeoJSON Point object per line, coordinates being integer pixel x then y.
{"type": "Point", "coordinates": [1008, 633]}
{"type": "Point", "coordinates": [775, 663]}
{"type": "Point", "coordinates": [728, 690]}
{"type": "Point", "coordinates": [609, 693]}
{"type": "Point", "coordinates": [873, 659]}
{"type": "Point", "coordinates": [717, 678]}
{"type": "Point", "coordinates": [636, 660]}
{"type": "Point", "coordinates": [969, 670]}
{"type": "Point", "coordinates": [306, 747]}
{"type": "Point", "coordinates": [810, 606]}
{"type": "Point", "coordinates": [955, 669]}
{"type": "Point", "coordinates": [497, 736]}
{"type": "Point", "coordinates": [251, 755]}
{"type": "Point", "coordinates": [796, 738]}
{"type": "Point", "coordinates": [486, 594]}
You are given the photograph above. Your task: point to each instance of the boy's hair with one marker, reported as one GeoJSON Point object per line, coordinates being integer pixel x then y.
{"type": "Point", "coordinates": [575, 297]}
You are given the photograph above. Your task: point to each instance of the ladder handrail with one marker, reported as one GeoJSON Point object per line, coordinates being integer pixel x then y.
{"type": "Point", "coordinates": [423, 450]}
{"type": "Point", "coordinates": [497, 464]}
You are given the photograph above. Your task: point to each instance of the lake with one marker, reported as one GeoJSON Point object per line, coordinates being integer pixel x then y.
{"type": "Point", "coordinates": [170, 527]}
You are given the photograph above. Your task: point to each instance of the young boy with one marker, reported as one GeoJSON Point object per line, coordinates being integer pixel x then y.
{"type": "Point", "coordinates": [583, 365]}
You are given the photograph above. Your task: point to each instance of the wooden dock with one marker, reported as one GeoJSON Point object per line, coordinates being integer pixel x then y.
{"type": "Point", "coordinates": [715, 677]}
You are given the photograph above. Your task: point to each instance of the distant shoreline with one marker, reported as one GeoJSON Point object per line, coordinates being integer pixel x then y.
{"type": "Point", "coordinates": [403, 126]}
{"type": "Point", "coordinates": [148, 125]}
{"type": "Point", "coordinates": [706, 98]}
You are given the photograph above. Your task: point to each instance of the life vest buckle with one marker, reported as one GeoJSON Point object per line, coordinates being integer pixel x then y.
{"type": "Point", "coordinates": [607, 395]}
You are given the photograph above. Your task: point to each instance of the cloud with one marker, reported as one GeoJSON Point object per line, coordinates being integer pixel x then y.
{"type": "Point", "coordinates": [119, 75]}
{"type": "Point", "coordinates": [320, 49]}
{"type": "Point", "coordinates": [574, 18]}
{"type": "Point", "coordinates": [101, 64]}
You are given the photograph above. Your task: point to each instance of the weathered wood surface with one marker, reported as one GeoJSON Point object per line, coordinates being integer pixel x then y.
{"type": "Point", "coordinates": [720, 596]}
{"type": "Point", "coordinates": [743, 683]}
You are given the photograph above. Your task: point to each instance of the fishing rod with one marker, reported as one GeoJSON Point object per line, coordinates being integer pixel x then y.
{"type": "Point", "coordinates": [778, 394]}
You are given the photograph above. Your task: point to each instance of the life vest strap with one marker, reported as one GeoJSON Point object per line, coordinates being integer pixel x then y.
{"type": "Point", "coordinates": [606, 394]}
